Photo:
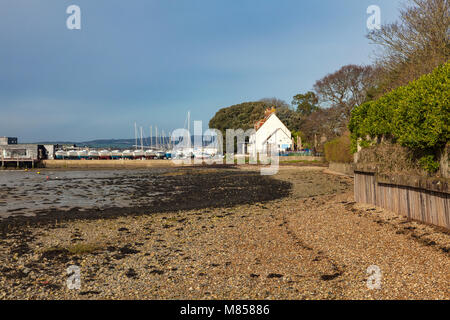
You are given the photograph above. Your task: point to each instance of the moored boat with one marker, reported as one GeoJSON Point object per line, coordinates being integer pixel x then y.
{"type": "Point", "coordinates": [127, 154]}
{"type": "Point", "coordinates": [150, 154]}
{"type": "Point", "coordinates": [60, 155]}
{"type": "Point", "coordinates": [116, 154]}
{"type": "Point", "coordinates": [93, 154]}
{"type": "Point", "coordinates": [105, 154]}
{"type": "Point", "coordinates": [72, 155]}
{"type": "Point", "coordinates": [160, 154]}
{"type": "Point", "coordinates": [83, 154]}
{"type": "Point", "coordinates": [138, 154]}
{"type": "Point", "coordinates": [201, 155]}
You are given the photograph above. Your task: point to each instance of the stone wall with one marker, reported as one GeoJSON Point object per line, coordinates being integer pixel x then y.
{"type": "Point", "coordinates": [344, 168]}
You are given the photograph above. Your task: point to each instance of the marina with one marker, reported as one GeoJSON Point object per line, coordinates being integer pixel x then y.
{"type": "Point", "coordinates": [159, 147]}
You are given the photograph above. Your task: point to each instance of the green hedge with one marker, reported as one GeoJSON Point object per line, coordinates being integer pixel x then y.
{"type": "Point", "coordinates": [338, 150]}
{"type": "Point", "coordinates": [415, 116]}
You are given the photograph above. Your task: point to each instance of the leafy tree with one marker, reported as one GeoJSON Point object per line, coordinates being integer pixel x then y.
{"type": "Point", "coordinates": [239, 116]}
{"type": "Point", "coordinates": [245, 115]}
{"type": "Point", "coordinates": [306, 103]}
{"type": "Point", "coordinates": [291, 119]}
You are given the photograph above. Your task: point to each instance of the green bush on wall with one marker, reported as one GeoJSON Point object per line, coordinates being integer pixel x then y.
{"type": "Point", "coordinates": [415, 116]}
{"type": "Point", "coordinates": [338, 150]}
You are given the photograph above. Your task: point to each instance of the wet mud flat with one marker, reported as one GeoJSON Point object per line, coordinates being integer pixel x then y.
{"type": "Point", "coordinates": [57, 196]}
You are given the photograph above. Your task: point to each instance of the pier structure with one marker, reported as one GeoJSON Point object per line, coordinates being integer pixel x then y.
{"type": "Point", "coordinates": [23, 155]}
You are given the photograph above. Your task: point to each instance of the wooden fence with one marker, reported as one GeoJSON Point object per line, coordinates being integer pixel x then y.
{"type": "Point", "coordinates": [417, 198]}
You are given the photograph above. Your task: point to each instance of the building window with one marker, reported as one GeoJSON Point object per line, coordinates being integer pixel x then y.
{"type": "Point", "coordinates": [18, 153]}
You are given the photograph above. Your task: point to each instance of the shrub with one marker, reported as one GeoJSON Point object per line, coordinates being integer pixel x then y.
{"type": "Point", "coordinates": [339, 150]}
{"type": "Point", "coordinates": [415, 116]}
{"type": "Point", "coordinates": [429, 164]}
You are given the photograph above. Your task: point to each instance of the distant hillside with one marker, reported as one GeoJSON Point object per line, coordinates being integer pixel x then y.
{"type": "Point", "coordinates": [111, 143]}
{"type": "Point", "coordinates": [106, 143]}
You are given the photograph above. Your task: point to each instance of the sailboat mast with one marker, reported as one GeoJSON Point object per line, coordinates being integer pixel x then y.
{"type": "Point", "coordinates": [135, 136]}
{"type": "Point", "coordinates": [164, 138]}
{"type": "Point", "coordinates": [151, 136]}
{"type": "Point", "coordinates": [142, 143]}
{"type": "Point", "coordinates": [189, 127]}
{"type": "Point", "coordinates": [170, 141]}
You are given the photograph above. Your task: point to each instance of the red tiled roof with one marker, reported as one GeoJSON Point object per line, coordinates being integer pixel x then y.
{"type": "Point", "coordinates": [267, 115]}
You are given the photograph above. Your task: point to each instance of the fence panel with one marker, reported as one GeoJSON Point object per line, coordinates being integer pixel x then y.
{"type": "Point", "coordinates": [413, 202]}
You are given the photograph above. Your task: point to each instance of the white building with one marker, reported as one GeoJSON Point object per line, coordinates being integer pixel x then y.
{"type": "Point", "coordinates": [269, 131]}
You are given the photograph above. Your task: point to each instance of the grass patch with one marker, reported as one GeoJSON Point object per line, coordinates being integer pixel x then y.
{"type": "Point", "coordinates": [82, 248]}
{"type": "Point", "coordinates": [301, 161]}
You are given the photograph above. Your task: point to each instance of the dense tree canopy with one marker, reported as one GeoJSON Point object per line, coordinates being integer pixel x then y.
{"type": "Point", "coordinates": [245, 115]}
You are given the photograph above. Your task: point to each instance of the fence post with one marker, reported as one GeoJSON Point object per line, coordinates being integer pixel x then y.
{"type": "Point", "coordinates": [358, 149]}
{"type": "Point", "coordinates": [443, 161]}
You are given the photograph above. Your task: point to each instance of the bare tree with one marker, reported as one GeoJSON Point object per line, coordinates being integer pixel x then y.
{"type": "Point", "coordinates": [416, 44]}
{"type": "Point", "coordinates": [274, 102]}
{"type": "Point", "coordinates": [345, 88]}
{"type": "Point", "coordinates": [328, 122]}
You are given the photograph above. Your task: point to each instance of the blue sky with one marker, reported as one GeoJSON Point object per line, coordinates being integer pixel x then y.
{"type": "Point", "coordinates": [151, 61]}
